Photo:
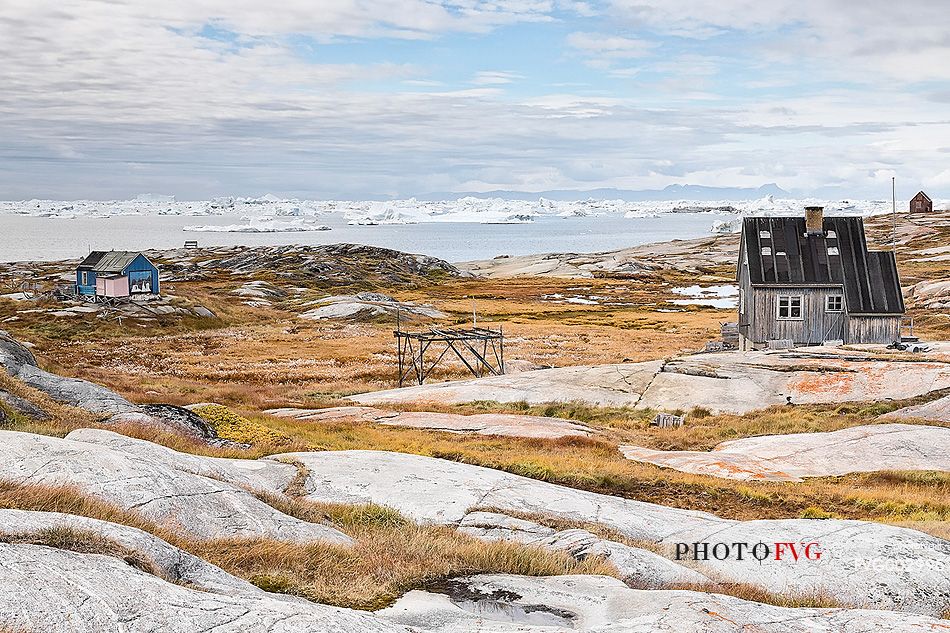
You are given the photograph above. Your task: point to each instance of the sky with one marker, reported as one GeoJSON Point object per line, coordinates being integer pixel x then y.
{"type": "Point", "coordinates": [105, 99]}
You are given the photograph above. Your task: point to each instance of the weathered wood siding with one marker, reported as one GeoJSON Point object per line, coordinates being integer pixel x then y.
{"type": "Point", "coordinates": [873, 329]}
{"type": "Point", "coordinates": [745, 299]}
{"type": "Point", "coordinates": [921, 204]}
{"type": "Point", "coordinates": [815, 327]}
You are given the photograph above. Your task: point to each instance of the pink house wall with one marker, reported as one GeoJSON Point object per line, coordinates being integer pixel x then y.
{"type": "Point", "coordinates": [112, 286]}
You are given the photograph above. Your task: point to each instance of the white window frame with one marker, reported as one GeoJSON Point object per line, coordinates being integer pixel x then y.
{"type": "Point", "coordinates": [741, 300]}
{"type": "Point", "coordinates": [84, 278]}
{"type": "Point", "coordinates": [840, 302]}
{"type": "Point", "coordinates": [789, 301]}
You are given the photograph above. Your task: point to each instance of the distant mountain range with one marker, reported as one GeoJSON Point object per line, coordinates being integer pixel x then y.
{"type": "Point", "coordinates": [671, 192]}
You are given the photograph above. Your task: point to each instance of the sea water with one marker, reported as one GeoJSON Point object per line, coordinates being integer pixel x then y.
{"type": "Point", "coordinates": [28, 238]}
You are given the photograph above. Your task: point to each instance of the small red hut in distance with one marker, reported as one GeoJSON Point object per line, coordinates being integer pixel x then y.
{"type": "Point", "coordinates": [921, 203]}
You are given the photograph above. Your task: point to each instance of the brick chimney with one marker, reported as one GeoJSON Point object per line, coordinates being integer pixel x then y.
{"type": "Point", "coordinates": [814, 220]}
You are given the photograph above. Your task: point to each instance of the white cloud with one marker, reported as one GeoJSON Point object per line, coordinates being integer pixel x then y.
{"type": "Point", "coordinates": [111, 98]}
{"type": "Point", "coordinates": [495, 77]}
{"type": "Point", "coordinates": [608, 48]}
{"type": "Point", "coordinates": [859, 40]}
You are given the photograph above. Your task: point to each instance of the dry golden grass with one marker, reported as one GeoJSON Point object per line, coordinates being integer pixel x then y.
{"type": "Point", "coordinates": [84, 542]}
{"type": "Point", "coordinates": [384, 563]}
{"type": "Point", "coordinates": [595, 464]}
{"type": "Point", "coordinates": [391, 554]}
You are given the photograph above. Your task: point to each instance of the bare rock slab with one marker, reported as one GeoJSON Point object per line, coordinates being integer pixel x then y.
{"type": "Point", "coordinates": [555, 604]}
{"type": "Point", "coordinates": [640, 568]}
{"type": "Point", "coordinates": [616, 385]}
{"type": "Point", "coordinates": [936, 410]}
{"type": "Point", "coordinates": [795, 456]}
{"type": "Point", "coordinates": [176, 564]}
{"type": "Point", "coordinates": [863, 564]}
{"type": "Point", "coordinates": [256, 474]}
{"type": "Point", "coordinates": [198, 505]}
{"type": "Point", "coordinates": [60, 591]}
{"type": "Point", "coordinates": [728, 382]}
{"type": "Point", "coordinates": [481, 424]}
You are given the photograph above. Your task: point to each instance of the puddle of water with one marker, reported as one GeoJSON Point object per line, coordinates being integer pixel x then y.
{"type": "Point", "coordinates": [516, 613]}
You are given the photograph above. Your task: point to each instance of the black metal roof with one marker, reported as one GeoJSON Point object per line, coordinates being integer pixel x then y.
{"type": "Point", "coordinates": [779, 251]}
{"type": "Point", "coordinates": [108, 261]}
{"type": "Point", "coordinates": [91, 259]}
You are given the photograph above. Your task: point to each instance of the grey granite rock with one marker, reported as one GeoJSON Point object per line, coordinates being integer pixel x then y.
{"type": "Point", "coordinates": [791, 457]}
{"type": "Point", "coordinates": [862, 563]}
{"type": "Point", "coordinates": [60, 591]}
{"type": "Point", "coordinates": [598, 604]}
{"type": "Point", "coordinates": [154, 486]}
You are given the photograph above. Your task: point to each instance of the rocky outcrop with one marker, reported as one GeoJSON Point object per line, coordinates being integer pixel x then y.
{"type": "Point", "coordinates": [368, 305]}
{"type": "Point", "coordinates": [480, 424]}
{"type": "Point", "coordinates": [686, 256]}
{"type": "Point", "coordinates": [559, 604]}
{"type": "Point", "coordinates": [174, 564]}
{"type": "Point", "coordinates": [638, 567]}
{"type": "Point", "coordinates": [617, 385]}
{"type": "Point", "coordinates": [730, 382]}
{"type": "Point", "coordinates": [256, 474]}
{"type": "Point", "coordinates": [325, 265]}
{"type": "Point", "coordinates": [792, 457]}
{"type": "Point", "coordinates": [20, 363]}
{"type": "Point", "coordinates": [937, 410]}
{"type": "Point", "coordinates": [60, 591]}
{"type": "Point", "coordinates": [863, 563]}
{"type": "Point", "coordinates": [934, 295]}
{"type": "Point", "coordinates": [157, 486]}
{"type": "Point", "coordinates": [22, 406]}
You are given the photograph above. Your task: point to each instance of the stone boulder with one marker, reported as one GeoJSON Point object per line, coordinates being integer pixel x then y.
{"type": "Point", "coordinates": [60, 591]}
{"type": "Point", "coordinates": [863, 563]}
{"type": "Point", "coordinates": [153, 486]}
{"type": "Point", "coordinates": [480, 424]}
{"type": "Point", "coordinates": [795, 456]}
{"type": "Point", "coordinates": [598, 604]}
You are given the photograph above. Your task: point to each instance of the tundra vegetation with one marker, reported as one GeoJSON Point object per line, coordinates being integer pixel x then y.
{"type": "Point", "coordinates": [249, 358]}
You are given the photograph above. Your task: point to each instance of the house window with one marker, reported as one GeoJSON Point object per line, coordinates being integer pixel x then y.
{"type": "Point", "coordinates": [764, 235]}
{"type": "Point", "coordinates": [834, 303]}
{"type": "Point", "coordinates": [833, 250]}
{"type": "Point", "coordinates": [766, 250]}
{"type": "Point", "coordinates": [85, 279]}
{"type": "Point", "coordinates": [741, 300]}
{"type": "Point", "coordinates": [790, 307]}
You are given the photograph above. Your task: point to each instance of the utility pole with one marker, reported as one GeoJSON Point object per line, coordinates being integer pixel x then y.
{"type": "Point", "coordinates": [894, 215]}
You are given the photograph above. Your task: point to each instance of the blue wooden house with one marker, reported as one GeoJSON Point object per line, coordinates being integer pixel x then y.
{"type": "Point", "coordinates": [116, 274]}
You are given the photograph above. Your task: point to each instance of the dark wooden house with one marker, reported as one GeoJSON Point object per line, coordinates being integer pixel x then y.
{"type": "Point", "coordinates": [812, 279]}
{"type": "Point", "coordinates": [921, 203]}
{"type": "Point", "coordinates": [116, 274]}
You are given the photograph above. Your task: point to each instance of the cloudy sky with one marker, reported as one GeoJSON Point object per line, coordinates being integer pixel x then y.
{"type": "Point", "coordinates": [351, 98]}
